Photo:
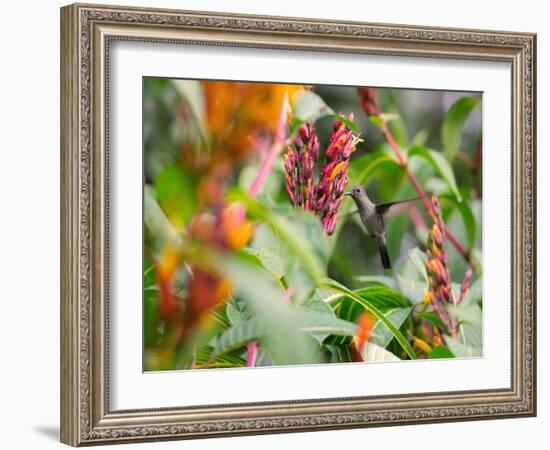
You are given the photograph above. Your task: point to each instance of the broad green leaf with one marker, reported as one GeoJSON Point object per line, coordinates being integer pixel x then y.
{"type": "Point", "coordinates": [150, 315]}
{"type": "Point", "coordinates": [440, 352]}
{"type": "Point", "coordinates": [469, 343]}
{"type": "Point", "coordinates": [413, 289]}
{"type": "Point", "coordinates": [474, 294]}
{"type": "Point", "coordinates": [419, 260]}
{"type": "Point", "coordinates": [378, 279]}
{"type": "Point", "coordinates": [191, 92]}
{"type": "Point", "coordinates": [431, 317]}
{"type": "Point", "coordinates": [302, 236]}
{"type": "Point", "coordinates": [318, 304]}
{"type": "Point", "coordinates": [340, 353]}
{"type": "Point", "coordinates": [307, 106]}
{"type": "Point", "coordinates": [469, 222]}
{"type": "Point", "coordinates": [453, 124]}
{"type": "Point", "coordinates": [176, 194]}
{"type": "Point", "coordinates": [466, 313]}
{"type": "Point", "coordinates": [278, 323]}
{"type": "Point", "coordinates": [381, 297]}
{"type": "Point", "coordinates": [236, 312]}
{"type": "Point", "coordinates": [205, 359]}
{"type": "Point", "coordinates": [237, 336]}
{"type": "Point", "coordinates": [463, 351]}
{"type": "Point", "coordinates": [156, 224]}
{"type": "Point", "coordinates": [381, 335]}
{"type": "Point", "coordinates": [471, 335]}
{"type": "Point", "coordinates": [374, 353]}
{"type": "Point", "coordinates": [271, 259]}
{"type": "Point", "coordinates": [368, 305]}
{"type": "Point", "coordinates": [270, 188]}
{"type": "Point", "coordinates": [363, 167]}
{"type": "Point", "coordinates": [439, 164]}
{"type": "Point", "coordinates": [308, 322]}
{"type": "Point", "coordinates": [315, 322]}
{"type": "Point", "coordinates": [149, 278]}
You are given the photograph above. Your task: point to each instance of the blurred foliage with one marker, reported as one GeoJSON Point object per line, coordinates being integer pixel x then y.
{"type": "Point", "coordinates": [235, 276]}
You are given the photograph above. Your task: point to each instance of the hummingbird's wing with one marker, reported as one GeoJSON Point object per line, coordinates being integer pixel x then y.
{"type": "Point", "coordinates": [390, 210]}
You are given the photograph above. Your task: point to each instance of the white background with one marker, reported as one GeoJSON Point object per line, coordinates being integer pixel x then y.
{"type": "Point", "coordinates": [29, 225]}
{"type": "Point", "coordinates": [132, 389]}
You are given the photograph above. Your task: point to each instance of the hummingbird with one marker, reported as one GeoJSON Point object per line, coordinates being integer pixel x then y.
{"type": "Point", "coordinates": [374, 216]}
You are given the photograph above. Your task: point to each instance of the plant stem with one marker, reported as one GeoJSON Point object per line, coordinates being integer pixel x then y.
{"type": "Point", "coordinates": [276, 148]}
{"type": "Point", "coordinates": [251, 354]}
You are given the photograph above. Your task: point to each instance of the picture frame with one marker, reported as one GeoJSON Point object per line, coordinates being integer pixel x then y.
{"type": "Point", "coordinates": [87, 33]}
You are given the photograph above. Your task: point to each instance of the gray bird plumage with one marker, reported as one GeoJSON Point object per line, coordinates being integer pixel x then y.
{"type": "Point", "coordinates": [374, 215]}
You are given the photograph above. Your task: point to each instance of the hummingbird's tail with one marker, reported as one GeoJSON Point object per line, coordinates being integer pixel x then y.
{"type": "Point", "coordinates": [383, 249]}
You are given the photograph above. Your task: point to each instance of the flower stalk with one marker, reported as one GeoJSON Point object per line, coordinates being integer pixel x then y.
{"type": "Point", "coordinates": [439, 279]}
{"type": "Point", "coordinates": [325, 196]}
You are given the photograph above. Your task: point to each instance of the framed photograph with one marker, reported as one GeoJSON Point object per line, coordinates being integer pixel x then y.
{"type": "Point", "coordinates": [277, 224]}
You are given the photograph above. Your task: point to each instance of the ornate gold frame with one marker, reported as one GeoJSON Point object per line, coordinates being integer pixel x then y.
{"type": "Point", "coordinates": [86, 31]}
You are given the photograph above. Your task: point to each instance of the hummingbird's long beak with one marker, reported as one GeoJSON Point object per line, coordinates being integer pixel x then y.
{"type": "Point", "coordinates": [347, 193]}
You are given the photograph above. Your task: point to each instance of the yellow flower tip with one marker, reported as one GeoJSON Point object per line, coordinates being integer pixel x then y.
{"type": "Point", "coordinates": [428, 298]}
{"type": "Point", "coordinates": [239, 236]}
{"type": "Point", "coordinates": [168, 264]}
{"type": "Point", "coordinates": [237, 230]}
{"type": "Point", "coordinates": [223, 289]}
{"type": "Point", "coordinates": [339, 167]}
{"type": "Point", "coordinates": [422, 345]}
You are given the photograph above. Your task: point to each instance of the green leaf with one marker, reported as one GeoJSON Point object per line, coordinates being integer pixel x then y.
{"type": "Point", "coordinates": [381, 335]}
{"type": "Point", "coordinates": [315, 322]}
{"type": "Point", "coordinates": [431, 317]}
{"type": "Point", "coordinates": [149, 278]}
{"type": "Point", "coordinates": [278, 323]}
{"type": "Point", "coordinates": [368, 305]}
{"type": "Point", "coordinates": [348, 123]}
{"type": "Point", "coordinates": [453, 124]}
{"type": "Point", "coordinates": [303, 235]}
{"type": "Point", "coordinates": [307, 106]}
{"type": "Point", "coordinates": [271, 259]}
{"type": "Point", "coordinates": [150, 316]}
{"type": "Point", "coordinates": [439, 164]}
{"type": "Point", "coordinates": [475, 293]}
{"type": "Point", "coordinates": [471, 334]}
{"type": "Point", "coordinates": [236, 312]}
{"type": "Point", "coordinates": [440, 352]}
{"type": "Point", "coordinates": [237, 336]}
{"type": "Point", "coordinates": [470, 341]}
{"type": "Point", "coordinates": [308, 322]}
{"type": "Point", "coordinates": [381, 297]}
{"type": "Point", "coordinates": [469, 222]}
{"type": "Point", "coordinates": [466, 313]}
{"type": "Point", "coordinates": [378, 280]}
{"type": "Point", "coordinates": [463, 351]}
{"type": "Point", "coordinates": [468, 219]}
{"type": "Point", "coordinates": [363, 167]}
{"type": "Point", "coordinates": [156, 223]}
{"type": "Point", "coordinates": [413, 289]}
{"type": "Point", "coordinates": [340, 353]}
{"type": "Point", "coordinates": [191, 91]}
{"type": "Point", "coordinates": [419, 260]}
{"type": "Point", "coordinates": [205, 358]}
{"type": "Point", "coordinates": [176, 194]}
